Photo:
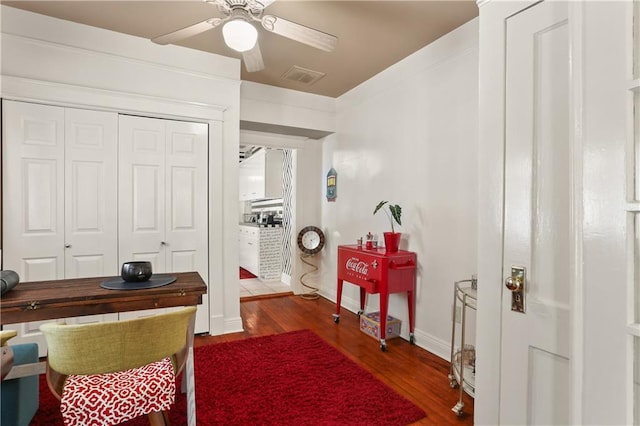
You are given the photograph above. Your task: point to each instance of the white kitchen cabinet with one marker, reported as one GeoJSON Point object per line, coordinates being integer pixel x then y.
{"type": "Point", "coordinates": [249, 248]}
{"type": "Point", "coordinates": [261, 251]}
{"type": "Point", "coordinates": [260, 175]}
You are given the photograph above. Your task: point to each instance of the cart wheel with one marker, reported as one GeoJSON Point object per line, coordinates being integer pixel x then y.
{"type": "Point", "coordinates": [453, 383]}
{"type": "Point", "coordinates": [458, 408]}
{"type": "Point", "coordinates": [360, 312]}
{"type": "Point", "coordinates": [412, 339]}
{"type": "Point", "coordinates": [336, 318]}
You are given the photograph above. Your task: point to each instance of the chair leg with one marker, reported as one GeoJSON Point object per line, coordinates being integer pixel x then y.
{"type": "Point", "coordinates": [159, 418]}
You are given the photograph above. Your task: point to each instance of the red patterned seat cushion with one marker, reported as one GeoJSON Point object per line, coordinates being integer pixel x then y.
{"type": "Point", "coordinates": [109, 399]}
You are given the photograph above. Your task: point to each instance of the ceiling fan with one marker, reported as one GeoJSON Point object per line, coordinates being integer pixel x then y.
{"type": "Point", "coordinates": [241, 35]}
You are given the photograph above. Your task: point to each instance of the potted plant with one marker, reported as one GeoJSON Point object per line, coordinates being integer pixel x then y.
{"type": "Point", "coordinates": [394, 213]}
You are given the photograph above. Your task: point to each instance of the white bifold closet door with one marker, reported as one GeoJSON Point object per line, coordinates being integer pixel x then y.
{"type": "Point", "coordinates": [163, 198]}
{"type": "Point", "coordinates": [59, 170]}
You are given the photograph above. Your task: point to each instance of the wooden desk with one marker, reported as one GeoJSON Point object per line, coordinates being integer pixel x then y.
{"type": "Point", "coordinates": [43, 300]}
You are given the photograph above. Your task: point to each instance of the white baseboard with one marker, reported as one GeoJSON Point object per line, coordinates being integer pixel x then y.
{"type": "Point", "coordinates": [233, 325]}
{"type": "Point", "coordinates": [424, 340]}
{"type": "Point", "coordinates": [221, 325]}
{"type": "Point", "coordinates": [433, 344]}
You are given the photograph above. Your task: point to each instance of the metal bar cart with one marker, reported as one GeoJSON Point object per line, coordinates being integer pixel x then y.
{"type": "Point", "coordinates": [463, 370]}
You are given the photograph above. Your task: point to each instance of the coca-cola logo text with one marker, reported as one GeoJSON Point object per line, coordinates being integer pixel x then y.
{"type": "Point", "coordinates": [356, 265]}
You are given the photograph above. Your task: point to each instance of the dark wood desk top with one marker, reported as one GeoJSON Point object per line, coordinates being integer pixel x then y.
{"type": "Point", "coordinates": [42, 300]}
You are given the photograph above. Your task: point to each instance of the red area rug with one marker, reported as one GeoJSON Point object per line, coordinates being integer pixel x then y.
{"type": "Point", "coordinates": [244, 274]}
{"type": "Point", "coordinates": [293, 378]}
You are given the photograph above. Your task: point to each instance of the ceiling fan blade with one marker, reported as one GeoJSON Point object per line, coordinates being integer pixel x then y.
{"type": "Point", "coordinates": [264, 3]}
{"type": "Point", "coordinates": [187, 32]}
{"type": "Point", "coordinates": [297, 32]}
{"type": "Point", "coordinates": [253, 59]}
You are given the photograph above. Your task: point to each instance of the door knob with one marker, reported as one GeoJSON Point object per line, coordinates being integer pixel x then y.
{"type": "Point", "coordinates": [516, 283]}
{"type": "Point", "coordinates": [163, 243]}
{"type": "Point", "coordinates": [67, 246]}
{"type": "Point", "coordinates": [513, 283]}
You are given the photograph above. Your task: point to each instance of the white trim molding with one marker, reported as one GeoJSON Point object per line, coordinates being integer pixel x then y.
{"type": "Point", "coordinates": [576, 28]}
{"type": "Point", "coordinates": [68, 95]}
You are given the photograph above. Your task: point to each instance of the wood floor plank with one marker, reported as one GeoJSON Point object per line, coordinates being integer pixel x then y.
{"type": "Point", "coordinates": [410, 370]}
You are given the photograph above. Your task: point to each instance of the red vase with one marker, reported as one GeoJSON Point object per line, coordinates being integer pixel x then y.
{"type": "Point", "coordinates": [392, 241]}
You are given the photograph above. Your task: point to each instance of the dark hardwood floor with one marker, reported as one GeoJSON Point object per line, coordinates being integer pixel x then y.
{"type": "Point", "coordinates": [413, 372]}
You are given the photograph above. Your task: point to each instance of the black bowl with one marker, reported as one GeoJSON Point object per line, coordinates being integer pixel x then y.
{"type": "Point", "coordinates": [135, 272]}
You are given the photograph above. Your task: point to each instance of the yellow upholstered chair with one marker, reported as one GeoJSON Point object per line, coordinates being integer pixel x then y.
{"type": "Point", "coordinates": [127, 367]}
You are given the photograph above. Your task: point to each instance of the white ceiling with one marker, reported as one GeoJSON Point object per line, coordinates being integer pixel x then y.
{"type": "Point", "coordinates": [372, 35]}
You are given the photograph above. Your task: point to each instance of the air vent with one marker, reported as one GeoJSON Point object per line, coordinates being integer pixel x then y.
{"type": "Point", "coordinates": [302, 75]}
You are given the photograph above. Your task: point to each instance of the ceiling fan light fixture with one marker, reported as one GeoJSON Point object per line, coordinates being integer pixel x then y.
{"type": "Point", "coordinates": [239, 35]}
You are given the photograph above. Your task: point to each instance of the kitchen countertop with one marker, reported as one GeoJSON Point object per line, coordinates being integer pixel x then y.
{"type": "Point", "coordinates": [260, 225]}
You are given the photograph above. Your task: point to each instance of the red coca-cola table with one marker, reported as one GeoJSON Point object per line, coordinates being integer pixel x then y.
{"type": "Point", "coordinates": [376, 271]}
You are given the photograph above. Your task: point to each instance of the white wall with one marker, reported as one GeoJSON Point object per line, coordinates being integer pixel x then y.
{"type": "Point", "coordinates": [409, 135]}
{"type": "Point", "coordinates": [262, 103]}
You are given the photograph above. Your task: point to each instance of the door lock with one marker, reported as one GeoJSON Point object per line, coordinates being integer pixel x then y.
{"type": "Point", "coordinates": [516, 283]}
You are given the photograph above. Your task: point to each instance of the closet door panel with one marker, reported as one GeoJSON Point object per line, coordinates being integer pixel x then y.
{"type": "Point", "coordinates": [184, 261]}
{"type": "Point", "coordinates": [91, 220]}
{"type": "Point", "coordinates": [141, 190]}
{"type": "Point", "coordinates": [33, 190]}
{"type": "Point", "coordinates": [60, 219]}
{"type": "Point", "coordinates": [186, 192]}
{"type": "Point", "coordinates": [183, 201]}
{"type": "Point", "coordinates": [146, 187]}
{"type": "Point", "coordinates": [187, 207]}
{"type": "Point", "coordinates": [37, 269]}
{"type": "Point", "coordinates": [40, 195]}
{"type": "Point", "coordinates": [163, 198]}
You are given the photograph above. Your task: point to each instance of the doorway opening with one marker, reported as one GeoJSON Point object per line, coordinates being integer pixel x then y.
{"type": "Point", "coordinates": [266, 183]}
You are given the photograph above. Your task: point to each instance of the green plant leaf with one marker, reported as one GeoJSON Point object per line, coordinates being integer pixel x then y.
{"type": "Point", "coordinates": [379, 206]}
{"type": "Point", "coordinates": [396, 212]}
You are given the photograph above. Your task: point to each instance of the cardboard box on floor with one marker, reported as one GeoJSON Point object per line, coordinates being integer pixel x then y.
{"type": "Point", "coordinates": [370, 324]}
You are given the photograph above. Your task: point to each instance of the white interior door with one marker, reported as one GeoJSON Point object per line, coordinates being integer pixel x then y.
{"type": "Point", "coordinates": [33, 199]}
{"type": "Point", "coordinates": [163, 199]}
{"type": "Point", "coordinates": [59, 211]}
{"type": "Point", "coordinates": [91, 217]}
{"type": "Point", "coordinates": [33, 185]}
{"type": "Point", "coordinates": [187, 208]}
{"type": "Point", "coordinates": [538, 229]}
{"type": "Point", "coordinates": [142, 190]}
